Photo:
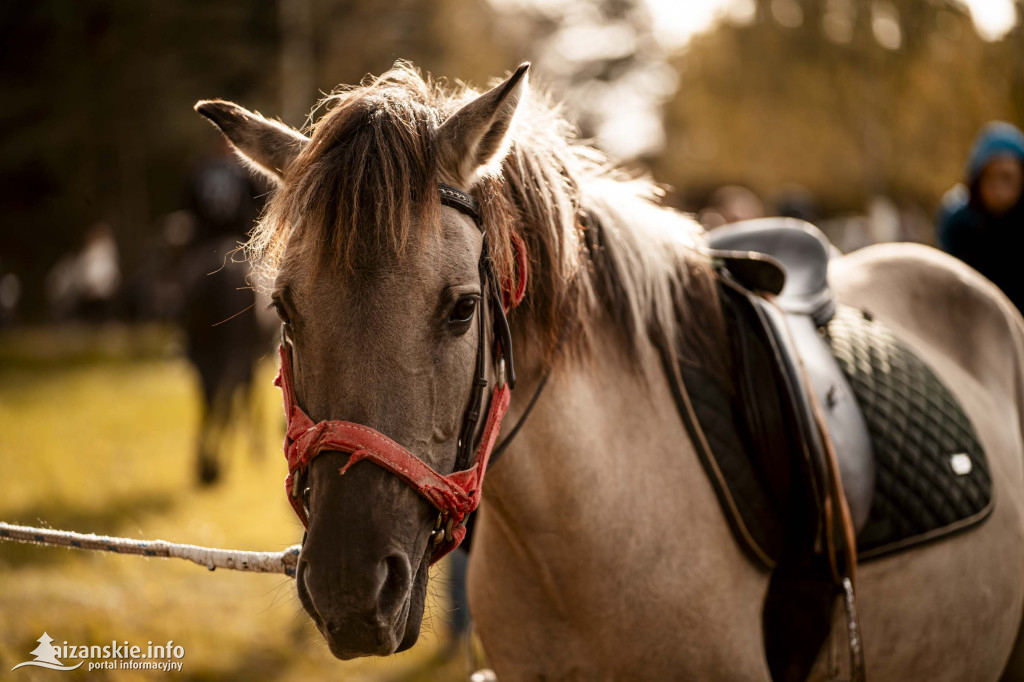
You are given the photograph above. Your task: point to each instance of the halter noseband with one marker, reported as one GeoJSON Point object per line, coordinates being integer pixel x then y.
{"type": "Point", "coordinates": [456, 495]}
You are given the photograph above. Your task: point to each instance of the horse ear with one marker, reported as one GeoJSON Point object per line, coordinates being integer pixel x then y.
{"type": "Point", "coordinates": [268, 146]}
{"type": "Point", "coordinates": [476, 137]}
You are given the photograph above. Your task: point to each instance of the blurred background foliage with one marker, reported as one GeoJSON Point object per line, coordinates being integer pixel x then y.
{"type": "Point", "coordinates": [857, 99]}
{"type": "Point", "coordinates": [847, 99]}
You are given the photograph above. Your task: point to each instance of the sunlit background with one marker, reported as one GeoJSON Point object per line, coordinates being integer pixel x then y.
{"type": "Point", "coordinates": [856, 114]}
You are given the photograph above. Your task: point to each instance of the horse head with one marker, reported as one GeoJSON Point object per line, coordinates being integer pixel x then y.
{"type": "Point", "coordinates": [382, 286]}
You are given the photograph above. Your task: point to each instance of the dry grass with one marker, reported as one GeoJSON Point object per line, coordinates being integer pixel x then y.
{"type": "Point", "coordinates": [96, 434]}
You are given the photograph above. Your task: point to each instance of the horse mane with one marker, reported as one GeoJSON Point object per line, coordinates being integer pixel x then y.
{"type": "Point", "coordinates": [596, 238]}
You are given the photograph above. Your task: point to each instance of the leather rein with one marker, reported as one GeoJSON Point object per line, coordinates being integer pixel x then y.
{"type": "Point", "coordinates": [457, 494]}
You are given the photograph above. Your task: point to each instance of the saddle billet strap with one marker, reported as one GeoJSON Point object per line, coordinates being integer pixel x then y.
{"type": "Point", "coordinates": [814, 443]}
{"type": "Point", "coordinates": [736, 294]}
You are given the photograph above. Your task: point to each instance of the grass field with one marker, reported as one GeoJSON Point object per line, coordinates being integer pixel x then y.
{"type": "Point", "coordinates": [96, 435]}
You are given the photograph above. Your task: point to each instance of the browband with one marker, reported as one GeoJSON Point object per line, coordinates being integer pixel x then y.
{"type": "Point", "coordinates": [460, 201]}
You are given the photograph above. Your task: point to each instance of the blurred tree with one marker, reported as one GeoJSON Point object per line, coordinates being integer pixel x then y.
{"type": "Point", "coordinates": [1015, 58]}
{"type": "Point", "coordinates": [98, 95]}
{"type": "Point", "coordinates": [96, 117]}
{"type": "Point", "coordinates": [603, 62]}
{"type": "Point", "coordinates": [298, 59]}
{"type": "Point", "coordinates": [849, 98]}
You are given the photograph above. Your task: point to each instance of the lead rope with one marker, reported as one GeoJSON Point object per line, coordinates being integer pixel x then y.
{"type": "Point", "coordinates": [236, 560]}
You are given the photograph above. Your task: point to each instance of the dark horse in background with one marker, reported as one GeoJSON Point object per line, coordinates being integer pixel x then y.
{"type": "Point", "coordinates": [220, 315]}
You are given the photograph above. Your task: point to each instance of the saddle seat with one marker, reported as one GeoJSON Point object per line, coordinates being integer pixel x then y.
{"type": "Point", "coordinates": [798, 248]}
{"type": "Point", "coordinates": [796, 306]}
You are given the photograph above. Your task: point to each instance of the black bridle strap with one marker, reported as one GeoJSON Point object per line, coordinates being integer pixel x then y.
{"type": "Point", "coordinates": [464, 203]}
{"type": "Point", "coordinates": [476, 397]}
{"type": "Point", "coordinates": [460, 201]}
{"type": "Point", "coordinates": [467, 205]}
{"type": "Point", "coordinates": [500, 449]}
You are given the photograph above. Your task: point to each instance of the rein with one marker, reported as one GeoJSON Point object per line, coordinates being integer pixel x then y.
{"type": "Point", "coordinates": [456, 495]}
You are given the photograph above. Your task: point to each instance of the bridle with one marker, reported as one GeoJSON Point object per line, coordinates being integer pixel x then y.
{"type": "Point", "coordinates": [457, 494]}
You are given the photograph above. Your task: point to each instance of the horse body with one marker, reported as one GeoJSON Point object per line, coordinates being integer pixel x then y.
{"type": "Point", "coordinates": [602, 551]}
{"type": "Point", "coordinates": [602, 529]}
{"type": "Point", "coordinates": [224, 328]}
{"type": "Point", "coordinates": [224, 338]}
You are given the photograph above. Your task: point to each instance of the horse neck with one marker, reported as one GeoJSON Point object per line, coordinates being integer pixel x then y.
{"type": "Point", "coordinates": [599, 526]}
{"type": "Point", "coordinates": [605, 433]}
{"type": "Point", "coordinates": [601, 503]}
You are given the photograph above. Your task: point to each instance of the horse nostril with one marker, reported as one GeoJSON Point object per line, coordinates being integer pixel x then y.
{"type": "Point", "coordinates": [394, 589]}
{"type": "Point", "coordinates": [304, 591]}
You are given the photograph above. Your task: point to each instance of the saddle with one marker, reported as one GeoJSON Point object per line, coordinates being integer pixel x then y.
{"type": "Point", "coordinates": [830, 442]}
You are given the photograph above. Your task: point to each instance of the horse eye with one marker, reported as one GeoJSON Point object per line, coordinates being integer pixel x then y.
{"type": "Point", "coordinates": [305, 500]}
{"type": "Point", "coordinates": [463, 310]}
{"type": "Point", "coordinates": [281, 312]}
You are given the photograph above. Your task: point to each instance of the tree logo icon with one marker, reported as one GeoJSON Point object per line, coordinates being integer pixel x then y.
{"type": "Point", "coordinates": [46, 656]}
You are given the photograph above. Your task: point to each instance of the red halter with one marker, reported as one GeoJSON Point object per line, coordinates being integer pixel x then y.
{"type": "Point", "coordinates": [456, 495]}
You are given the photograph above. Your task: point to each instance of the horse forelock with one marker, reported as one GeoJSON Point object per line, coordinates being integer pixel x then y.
{"type": "Point", "coordinates": [595, 237]}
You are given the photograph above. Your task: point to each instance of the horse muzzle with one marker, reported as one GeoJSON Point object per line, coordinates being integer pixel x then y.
{"type": "Point", "coordinates": [362, 571]}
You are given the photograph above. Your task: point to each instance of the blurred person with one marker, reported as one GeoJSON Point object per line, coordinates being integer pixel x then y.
{"type": "Point", "coordinates": [459, 621]}
{"type": "Point", "coordinates": [796, 201]}
{"type": "Point", "coordinates": [730, 204]}
{"type": "Point", "coordinates": [885, 224]}
{"type": "Point", "coordinates": [86, 284]}
{"type": "Point", "coordinates": [99, 272]}
{"type": "Point", "coordinates": [10, 296]}
{"type": "Point", "coordinates": [981, 222]}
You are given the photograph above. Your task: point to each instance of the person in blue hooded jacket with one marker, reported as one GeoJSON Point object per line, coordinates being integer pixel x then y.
{"type": "Point", "coordinates": [982, 222]}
